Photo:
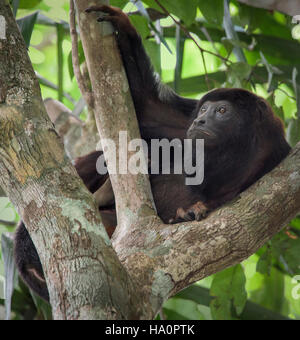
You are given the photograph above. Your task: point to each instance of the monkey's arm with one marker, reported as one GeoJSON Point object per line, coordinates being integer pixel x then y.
{"type": "Point", "coordinates": [155, 103]}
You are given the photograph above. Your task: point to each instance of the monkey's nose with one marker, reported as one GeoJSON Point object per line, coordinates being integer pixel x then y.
{"type": "Point", "coordinates": [199, 122]}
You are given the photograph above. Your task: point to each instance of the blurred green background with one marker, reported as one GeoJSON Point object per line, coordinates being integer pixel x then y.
{"type": "Point", "coordinates": [259, 50]}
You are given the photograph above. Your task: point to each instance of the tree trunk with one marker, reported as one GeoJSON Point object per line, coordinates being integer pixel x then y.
{"type": "Point", "coordinates": [84, 276]}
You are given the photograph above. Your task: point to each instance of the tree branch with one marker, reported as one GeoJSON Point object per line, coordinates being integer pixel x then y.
{"type": "Point", "coordinates": [80, 138]}
{"type": "Point", "coordinates": [81, 80]}
{"type": "Point", "coordinates": [178, 255]}
{"type": "Point", "coordinates": [114, 112]}
{"type": "Point", "coordinates": [8, 223]}
{"type": "Point", "coordinates": [291, 7]}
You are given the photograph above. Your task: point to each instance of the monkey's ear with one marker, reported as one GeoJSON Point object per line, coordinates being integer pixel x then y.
{"type": "Point", "coordinates": [263, 110]}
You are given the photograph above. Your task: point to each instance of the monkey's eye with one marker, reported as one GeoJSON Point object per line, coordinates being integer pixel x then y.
{"type": "Point", "coordinates": [222, 109]}
{"type": "Point", "coordinates": [203, 109]}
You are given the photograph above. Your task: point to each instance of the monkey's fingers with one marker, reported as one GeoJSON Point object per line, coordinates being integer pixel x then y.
{"type": "Point", "coordinates": [199, 210]}
{"type": "Point", "coordinates": [107, 18]}
{"type": "Point", "coordinates": [119, 19]}
{"type": "Point", "coordinates": [104, 8]}
{"type": "Point", "coordinates": [181, 216]}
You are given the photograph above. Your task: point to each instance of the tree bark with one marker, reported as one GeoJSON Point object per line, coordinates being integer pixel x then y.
{"type": "Point", "coordinates": [79, 138]}
{"type": "Point", "coordinates": [84, 276]}
{"type": "Point", "coordinates": [290, 7]}
{"type": "Point", "coordinates": [114, 112]}
{"type": "Point", "coordinates": [2, 193]}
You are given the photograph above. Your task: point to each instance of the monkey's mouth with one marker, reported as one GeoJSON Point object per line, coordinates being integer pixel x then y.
{"type": "Point", "coordinates": [197, 133]}
{"type": "Point", "coordinates": [205, 132]}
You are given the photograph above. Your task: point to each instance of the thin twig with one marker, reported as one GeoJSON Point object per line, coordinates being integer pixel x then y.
{"type": "Point", "coordinates": [283, 91]}
{"type": "Point", "coordinates": [8, 223]}
{"type": "Point", "coordinates": [188, 34]}
{"type": "Point", "coordinates": [81, 80]}
{"type": "Point", "coordinates": [208, 37]}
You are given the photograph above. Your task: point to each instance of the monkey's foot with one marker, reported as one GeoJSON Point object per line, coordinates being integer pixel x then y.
{"type": "Point", "coordinates": [197, 211]}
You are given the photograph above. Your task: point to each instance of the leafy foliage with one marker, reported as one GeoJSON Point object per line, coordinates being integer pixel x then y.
{"type": "Point", "coordinates": [228, 288]}
{"type": "Point", "coordinates": [258, 51]}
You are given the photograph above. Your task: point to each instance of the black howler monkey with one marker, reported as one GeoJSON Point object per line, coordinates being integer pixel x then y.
{"type": "Point", "coordinates": [243, 140]}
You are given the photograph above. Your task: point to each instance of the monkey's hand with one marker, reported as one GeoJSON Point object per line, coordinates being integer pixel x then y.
{"type": "Point", "coordinates": [197, 211]}
{"type": "Point", "coordinates": [114, 15]}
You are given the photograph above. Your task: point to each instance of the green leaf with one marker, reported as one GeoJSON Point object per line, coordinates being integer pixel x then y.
{"type": "Point", "coordinates": [237, 72]}
{"type": "Point", "coordinates": [264, 263]}
{"type": "Point", "coordinates": [10, 269]}
{"type": "Point", "coordinates": [242, 70]}
{"type": "Point", "coordinates": [153, 51]}
{"type": "Point", "coordinates": [292, 287]}
{"type": "Point", "coordinates": [250, 17]}
{"type": "Point", "coordinates": [160, 36]}
{"type": "Point", "coordinates": [296, 90]}
{"type": "Point", "coordinates": [118, 3]}
{"type": "Point", "coordinates": [228, 288]}
{"type": "Point", "coordinates": [295, 223]}
{"type": "Point", "coordinates": [213, 11]}
{"type": "Point", "coordinates": [278, 50]}
{"type": "Point", "coordinates": [221, 309]}
{"type": "Point", "coordinates": [15, 6]}
{"type": "Point", "coordinates": [185, 10]}
{"type": "Point", "coordinates": [173, 315]}
{"type": "Point", "coordinates": [272, 83]}
{"type": "Point", "coordinates": [239, 293]}
{"type": "Point", "coordinates": [197, 84]}
{"type": "Point", "coordinates": [141, 24]}
{"type": "Point", "coordinates": [234, 43]}
{"type": "Point", "coordinates": [227, 43]}
{"type": "Point", "coordinates": [253, 18]}
{"type": "Point", "coordinates": [26, 25]}
{"type": "Point", "coordinates": [277, 110]}
{"type": "Point", "coordinates": [287, 251]}
{"type": "Point", "coordinates": [28, 4]}
{"type": "Point", "coordinates": [271, 294]}
{"type": "Point", "coordinates": [186, 308]}
{"type": "Point", "coordinates": [42, 306]}
{"type": "Point", "coordinates": [252, 311]}
{"type": "Point", "coordinates": [293, 132]}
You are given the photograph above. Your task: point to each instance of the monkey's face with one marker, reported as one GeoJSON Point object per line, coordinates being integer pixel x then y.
{"type": "Point", "coordinates": [216, 122]}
